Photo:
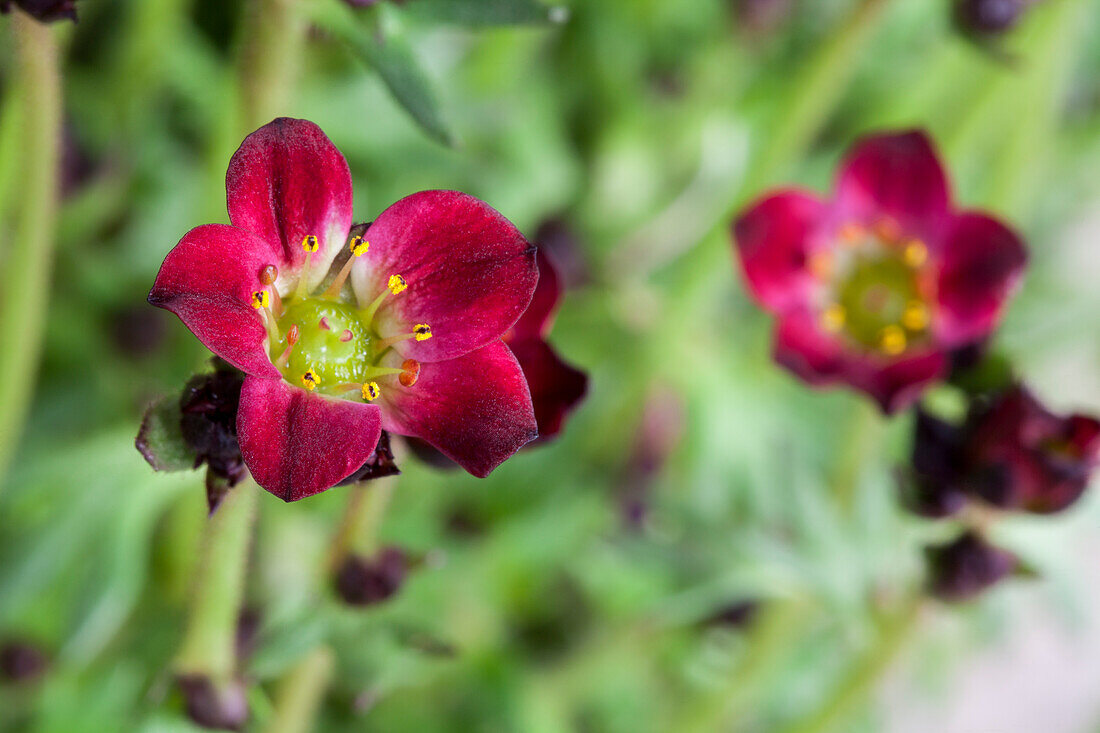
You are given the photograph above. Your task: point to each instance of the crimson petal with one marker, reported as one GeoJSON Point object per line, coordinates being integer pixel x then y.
{"type": "Point", "coordinates": [470, 273]}
{"type": "Point", "coordinates": [775, 237]}
{"type": "Point", "coordinates": [285, 182]}
{"type": "Point", "coordinates": [897, 177]}
{"type": "Point", "coordinates": [297, 444]}
{"type": "Point", "coordinates": [556, 387]}
{"type": "Point", "coordinates": [983, 261]}
{"type": "Point", "coordinates": [208, 280]}
{"type": "Point", "coordinates": [475, 409]}
{"type": "Point", "coordinates": [538, 319]}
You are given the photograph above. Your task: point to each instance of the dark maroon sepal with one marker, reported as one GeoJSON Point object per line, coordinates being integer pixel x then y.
{"type": "Point", "coordinates": [365, 581]}
{"type": "Point", "coordinates": [962, 569]}
{"type": "Point", "coordinates": [379, 465]}
{"type": "Point", "coordinates": [932, 487]}
{"type": "Point", "coordinates": [44, 10]}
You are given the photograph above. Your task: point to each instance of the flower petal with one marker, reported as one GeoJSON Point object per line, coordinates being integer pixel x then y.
{"type": "Point", "coordinates": [297, 444]}
{"type": "Point", "coordinates": [983, 261]}
{"type": "Point", "coordinates": [476, 409]}
{"type": "Point", "coordinates": [556, 387]}
{"type": "Point", "coordinates": [538, 319]}
{"type": "Point", "coordinates": [285, 182]}
{"type": "Point", "coordinates": [820, 358]}
{"type": "Point", "coordinates": [774, 238]}
{"type": "Point", "coordinates": [897, 177]}
{"type": "Point", "coordinates": [208, 280]}
{"type": "Point", "coordinates": [470, 273]}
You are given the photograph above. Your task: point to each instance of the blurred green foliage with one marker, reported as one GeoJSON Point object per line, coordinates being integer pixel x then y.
{"type": "Point", "coordinates": [642, 125]}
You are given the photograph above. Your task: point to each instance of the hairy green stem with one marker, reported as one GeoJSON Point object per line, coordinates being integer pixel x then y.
{"type": "Point", "coordinates": [300, 693]}
{"type": "Point", "coordinates": [270, 60]}
{"type": "Point", "coordinates": [863, 678]}
{"type": "Point", "coordinates": [26, 277]}
{"type": "Point", "coordinates": [863, 435]}
{"type": "Point", "coordinates": [358, 532]}
{"type": "Point", "coordinates": [209, 645]}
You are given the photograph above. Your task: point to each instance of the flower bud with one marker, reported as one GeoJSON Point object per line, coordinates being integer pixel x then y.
{"type": "Point", "coordinates": [209, 422]}
{"type": "Point", "coordinates": [1021, 456]}
{"type": "Point", "coordinates": [989, 17]}
{"type": "Point", "coordinates": [20, 661]}
{"type": "Point", "coordinates": [962, 569]}
{"type": "Point", "coordinates": [363, 581]}
{"type": "Point", "coordinates": [931, 487]}
{"type": "Point", "coordinates": [379, 465]}
{"type": "Point", "coordinates": [44, 10]}
{"type": "Point", "coordinates": [736, 615]}
{"type": "Point", "coordinates": [214, 706]}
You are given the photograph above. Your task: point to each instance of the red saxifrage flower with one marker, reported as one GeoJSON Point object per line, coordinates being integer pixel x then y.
{"type": "Point", "coordinates": [875, 287]}
{"type": "Point", "coordinates": [398, 329]}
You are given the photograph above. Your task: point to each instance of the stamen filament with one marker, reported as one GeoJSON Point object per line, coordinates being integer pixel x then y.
{"type": "Point", "coordinates": [272, 327]}
{"type": "Point", "coordinates": [268, 276]}
{"type": "Point", "coordinates": [358, 247]}
{"type": "Point", "coordinates": [310, 245]}
{"type": "Point", "coordinates": [422, 332]}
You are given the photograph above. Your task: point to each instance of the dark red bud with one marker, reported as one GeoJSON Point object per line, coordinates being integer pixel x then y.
{"type": "Point", "coordinates": [365, 581]}
{"type": "Point", "coordinates": [962, 569]}
{"type": "Point", "coordinates": [214, 706]}
{"type": "Point", "coordinates": [20, 661]}
{"type": "Point", "coordinates": [989, 17]}
{"type": "Point", "coordinates": [44, 10]}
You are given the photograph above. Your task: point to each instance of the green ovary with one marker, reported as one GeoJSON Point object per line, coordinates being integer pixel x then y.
{"type": "Point", "coordinates": [335, 358]}
{"type": "Point", "coordinates": [875, 295]}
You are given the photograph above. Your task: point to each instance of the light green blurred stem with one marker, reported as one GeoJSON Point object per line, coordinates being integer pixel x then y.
{"type": "Point", "coordinates": [301, 692]}
{"type": "Point", "coordinates": [210, 638]}
{"type": "Point", "coordinates": [862, 439]}
{"type": "Point", "coordinates": [358, 531]}
{"type": "Point", "coordinates": [26, 277]}
{"type": "Point", "coordinates": [863, 678]}
{"type": "Point", "coordinates": [771, 637]}
{"type": "Point", "coordinates": [270, 60]}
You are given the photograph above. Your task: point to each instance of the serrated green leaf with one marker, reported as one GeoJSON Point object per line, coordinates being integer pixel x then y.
{"type": "Point", "coordinates": [485, 12]}
{"type": "Point", "coordinates": [381, 43]}
{"type": "Point", "coordinates": [160, 439]}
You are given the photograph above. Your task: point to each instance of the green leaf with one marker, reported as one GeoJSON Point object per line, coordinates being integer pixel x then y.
{"type": "Point", "coordinates": [160, 439]}
{"type": "Point", "coordinates": [377, 38]}
{"type": "Point", "coordinates": [486, 12]}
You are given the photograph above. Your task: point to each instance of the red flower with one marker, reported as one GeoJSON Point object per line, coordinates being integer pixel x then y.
{"type": "Point", "coordinates": [1022, 456]}
{"type": "Point", "coordinates": [405, 333]}
{"type": "Point", "coordinates": [556, 387]}
{"type": "Point", "coordinates": [876, 286]}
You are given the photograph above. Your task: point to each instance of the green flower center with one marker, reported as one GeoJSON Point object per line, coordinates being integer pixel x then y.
{"type": "Point", "coordinates": [333, 343]}
{"type": "Point", "coordinates": [875, 294]}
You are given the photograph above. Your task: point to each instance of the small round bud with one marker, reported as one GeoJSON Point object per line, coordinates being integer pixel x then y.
{"type": "Point", "coordinates": [988, 17]}
{"type": "Point", "coordinates": [215, 706]}
{"type": "Point", "coordinates": [963, 569]}
{"type": "Point", "coordinates": [363, 581]}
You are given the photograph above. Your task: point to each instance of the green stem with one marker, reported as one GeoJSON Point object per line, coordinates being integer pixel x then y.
{"type": "Point", "coordinates": [863, 434]}
{"type": "Point", "coordinates": [210, 638]}
{"type": "Point", "coordinates": [270, 60]}
{"type": "Point", "coordinates": [25, 296]}
{"type": "Point", "coordinates": [358, 533]}
{"type": "Point", "coordinates": [771, 637]}
{"type": "Point", "coordinates": [301, 692]}
{"type": "Point", "coordinates": [862, 679]}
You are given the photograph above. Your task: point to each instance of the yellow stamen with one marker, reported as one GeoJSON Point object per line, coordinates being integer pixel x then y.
{"type": "Point", "coordinates": [310, 380]}
{"type": "Point", "coordinates": [371, 391]}
{"type": "Point", "coordinates": [915, 316]}
{"type": "Point", "coordinates": [821, 264]}
{"type": "Point", "coordinates": [397, 284]}
{"type": "Point", "coordinates": [915, 253]}
{"type": "Point", "coordinates": [260, 299]}
{"type": "Point", "coordinates": [358, 248]}
{"type": "Point", "coordinates": [310, 243]}
{"type": "Point", "coordinates": [422, 332]}
{"type": "Point", "coordinates": [892, 340]}
{"type": "Point", "coordinates": [833, 318]}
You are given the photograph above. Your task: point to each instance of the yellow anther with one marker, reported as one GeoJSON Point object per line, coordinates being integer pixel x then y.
{"type": "Point", "coordinates": [371, 391]}
{"type": "Point", "coordinates": [821, 264]}
{"type": "Point", "coordinates": [892, 340]}
{"type": "Point", "coordinates": [310, 244]}
{"type": "Point", "coordinates": [261, 299]}
{"type": "Point", "coordinates": [915, 316]}
{"type": "Point", "coordinates": [915, 253]}
{"type": "Point", "coordinates": [359, 246]}
{"type": "Point", "coordinates": [310, 380]}
{"type": "Point", "coordinates": [422, 332]}
{"type": "Point", "coordinates": [833, 318]}
{"type": "Point", "coordinates": [397, 284]}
